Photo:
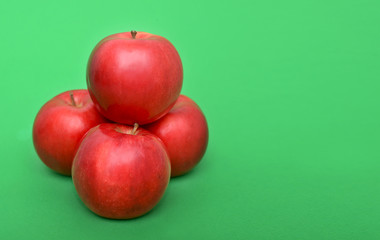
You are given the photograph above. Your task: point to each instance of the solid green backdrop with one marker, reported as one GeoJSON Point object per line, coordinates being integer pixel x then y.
{"type": "Point", "coordinates": [290, 90]}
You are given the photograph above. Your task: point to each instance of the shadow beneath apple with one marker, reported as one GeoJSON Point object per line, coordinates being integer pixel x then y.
{"type": "Point", "coordinates": [169, 198]}
{"type": "Point", "coordinates": [200, 169]}
{"type": "Point", "coordinates": [56, 174]}
{"type": "Point", "coordinates": [52, 174]}
{"type": "Point", "coordinates": [48, 173]}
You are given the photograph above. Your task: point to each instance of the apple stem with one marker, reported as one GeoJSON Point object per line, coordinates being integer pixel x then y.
{"type": "Point", "coordinates": [133, 33]}
{"type": "Point", "coordinates": [72, 99]}
{"type": "Point", "coordinates": [135, 126]}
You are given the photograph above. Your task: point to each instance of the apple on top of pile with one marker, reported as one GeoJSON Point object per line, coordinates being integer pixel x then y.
{"type": "Point", "coordinates": [123, 138]}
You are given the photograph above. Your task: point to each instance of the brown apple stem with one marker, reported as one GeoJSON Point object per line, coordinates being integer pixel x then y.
{"type": "Point", "coordinates": [72, 99]}
{"type": "Point", "coordinates": [133, 33]}
{"type": "Point", "coordinates": [135, 126]}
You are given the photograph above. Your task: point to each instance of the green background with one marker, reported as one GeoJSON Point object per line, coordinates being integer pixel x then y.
{"type": "Point", "coordinates": [290, 90]}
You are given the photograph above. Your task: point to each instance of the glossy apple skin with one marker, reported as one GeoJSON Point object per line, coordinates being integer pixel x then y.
{"type": "Point", "coordinates": [134, 80]}
{"type": "Point", "coordinates": [59, 126]}
{"type": "Point", "coordinates": [120, 175]}
{"type": "Point", "coordinates": [184, 132]}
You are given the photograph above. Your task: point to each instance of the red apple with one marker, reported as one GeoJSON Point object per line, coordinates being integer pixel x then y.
{"type": "Point", "coordinates": [120, 172]}
{"type": "Point", "coordinates": [134, 77]}
{"type": "Point", "coordinates": [60, 125]}
{"type": "Point", "coordinates": [184, 132]}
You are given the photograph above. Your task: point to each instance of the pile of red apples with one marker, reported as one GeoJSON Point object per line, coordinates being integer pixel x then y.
{"type": "Point", "coordinates": [130, 132]}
